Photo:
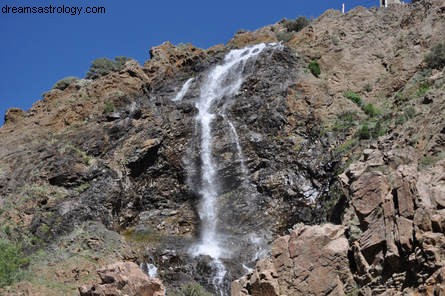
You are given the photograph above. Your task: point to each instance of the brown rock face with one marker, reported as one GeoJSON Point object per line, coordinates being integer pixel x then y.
{"type": "Point", "coordinates": [312, 260]}
{"type": "Point", "coordinates": [14, 115]}
{"type": "Point", "coordinates": [124, 278]}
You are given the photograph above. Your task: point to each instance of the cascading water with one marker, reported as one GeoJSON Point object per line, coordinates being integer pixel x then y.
{"type": "Point", "coordinates": [183, 90]}
{"type": "Point", "coordinates": [239, 150]}
{"type": "Point", "coordinates": [221, 82]}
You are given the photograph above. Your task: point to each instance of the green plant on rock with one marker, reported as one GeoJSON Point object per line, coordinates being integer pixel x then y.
{"type": "Point", "coordinates": [296, 25]}
{"type": "Point", "coordinates": [12, 262]}
{"type": "Point", "coordinates": [371, 110]}
{"type": "Point", "coordinates": [422, 90]}
{"type": "Point", "coordinates": [284, 36]}
{"type": "Point", "coordinates": [103, 66]}
{"type": "Point", "coordinates": [65, 82]}
{"type": "Point", "coordinates": [353, 96]}
{"type": "Point", "coordinates": [191, 289]}
{"type": "Point", "coordinates": [435, 59]}
{"type": "Point", "coordinates": [364, 132]}
{"type": "Point", "coordinates": [314, 67]}
{"type": "Point", "coordinates": [109, 107]}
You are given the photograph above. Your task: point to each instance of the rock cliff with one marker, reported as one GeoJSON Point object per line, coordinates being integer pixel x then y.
{"type": "Point", "coordinates": [344, 196]}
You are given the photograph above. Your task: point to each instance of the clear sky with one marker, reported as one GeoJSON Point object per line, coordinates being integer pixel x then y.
{"type": "Point", "coordinates": [39, 49]}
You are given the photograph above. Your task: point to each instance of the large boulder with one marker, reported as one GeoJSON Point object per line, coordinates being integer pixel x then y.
{"type": "Point", "coordinates": [123, 278]}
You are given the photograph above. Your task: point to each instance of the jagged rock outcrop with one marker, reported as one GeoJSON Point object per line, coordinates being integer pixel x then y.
{"type": "Point", "coordinates": [124, 278]}
{"type": "Point", "coordinates": [311, 260]}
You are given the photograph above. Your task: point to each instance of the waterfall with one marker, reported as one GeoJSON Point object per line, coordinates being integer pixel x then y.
{"type": "Point", "coordinates": [239, 150]}
{"type": "Point", "coordinates": [220, 83]}
{"type": "Point", "coordinates": [185, 88]}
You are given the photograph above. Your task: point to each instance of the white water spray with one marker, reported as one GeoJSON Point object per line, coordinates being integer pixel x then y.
{"type": "Point", "coordinates": [185, 88]}
{"type": "Point", "coordinates": [239, 150]}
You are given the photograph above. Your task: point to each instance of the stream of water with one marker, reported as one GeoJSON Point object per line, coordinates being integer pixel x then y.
{"type": "Point", "coordinates": [220, 82]}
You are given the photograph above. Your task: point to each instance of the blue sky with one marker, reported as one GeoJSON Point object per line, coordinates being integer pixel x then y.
{"type": "Point", "coordinates": [37, 50]}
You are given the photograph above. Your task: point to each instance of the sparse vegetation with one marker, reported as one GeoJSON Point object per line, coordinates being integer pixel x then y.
{"type": "Point", "coordinates": [363, 132]}
{"type": "Point", "coordinates": [407, 114]}
{"type": "Point", "coordinates": [435, 59]}
{"type": "Point", "coordinates": [103, 66]}
{"type": "Point", "coordinates": [109, 107]}
{"type": "Point", "coordinates": [345, 121]}
{"type": "Point", "coordinates": [12, 261]}
{"type": "Point", "coordinates": [296, 25]}
{"type": "Point", "coordinates": [314, 67]}
{"type": "Point", "coordinates": [422, 90]}
{"type": "Point", "coordinates": [65, 82]}
{"type": "Point", "coordinates": [368, 87]}
{"type": "Point", "coordinates": [191, 289]}
{"type": "Point", "coordinates": [353, 96]}
{"type": "Point", "coordinates": [335, 40]}
{"type": "Point", "coordinates": [284, 36]}
{"type": "Point", "coordinates": [371, 110]}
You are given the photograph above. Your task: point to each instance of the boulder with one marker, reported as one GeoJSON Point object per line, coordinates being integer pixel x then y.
{"type": "Point", "coordinates": [123, 278]}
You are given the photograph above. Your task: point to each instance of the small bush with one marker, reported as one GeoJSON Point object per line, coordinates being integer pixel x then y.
{"type": "Point", "coordinates": [436, 58]}
{"type": "Point", "coordinates": [296, 25]}
{"type": "Point", "coordinates": [192, 289]}
{"type": "Point", "coordinates": [314, 67]}
{"type": "Point", "coordinates": [109, 107]}
{"type": "Point", "coordinates": [353, 96]}
{"type": "Point", "coordinates": [12, 261]}
{"type": "Point", "coordinates": [422, 90]}
{"type": "Point", "coordinates": [364, 133]}
{"type": "Point", "coordinates": [65, 82]}
{"type": "Point", "coordinates": [335, 40]}
{"type": "Point", "coordinates": [103, 66]}
{"type": "Point", "coordinates": [378, 130]}
{"type": "Point", "coordinates": [371, 110]}
{"type": "Point", "coordinates": [284, 36]}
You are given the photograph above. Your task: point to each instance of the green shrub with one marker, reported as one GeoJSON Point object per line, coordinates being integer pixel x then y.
{"type": "Point", "coordinates": [109, 107]}
{"type": "Point", "coordinates": [12, 261]}
{"type": "Point", "coordinates": [314, 67]}
{"type": "Point", "coordinates": [378, 130]}
{"type": "Point", "coordinates": [422, 90]}
{"type": "Point", "coordinates": [65, 82]}
{"type": "Point", "coordinates": [371, 110]}
{"type": "Point", "coordinates": [436, 58]}
{"type": "Point", "coordinates": [345, 121]}
{"type": "Point", "coordinates": [296, 25]}
{"type": "Point", "coordinates": [284, 36]}
{"type": "Point", "coordinates": [103, 66]}
{"type": "Point", "coordinates": [192, 289]}
{"type": "Point", "coordinates": [363, 132]}
{"type": "Point", "coordinates": [353, 96]}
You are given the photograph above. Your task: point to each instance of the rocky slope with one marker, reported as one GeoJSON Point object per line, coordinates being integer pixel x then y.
{"type": "Point", "coordinates": [100, 171]}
